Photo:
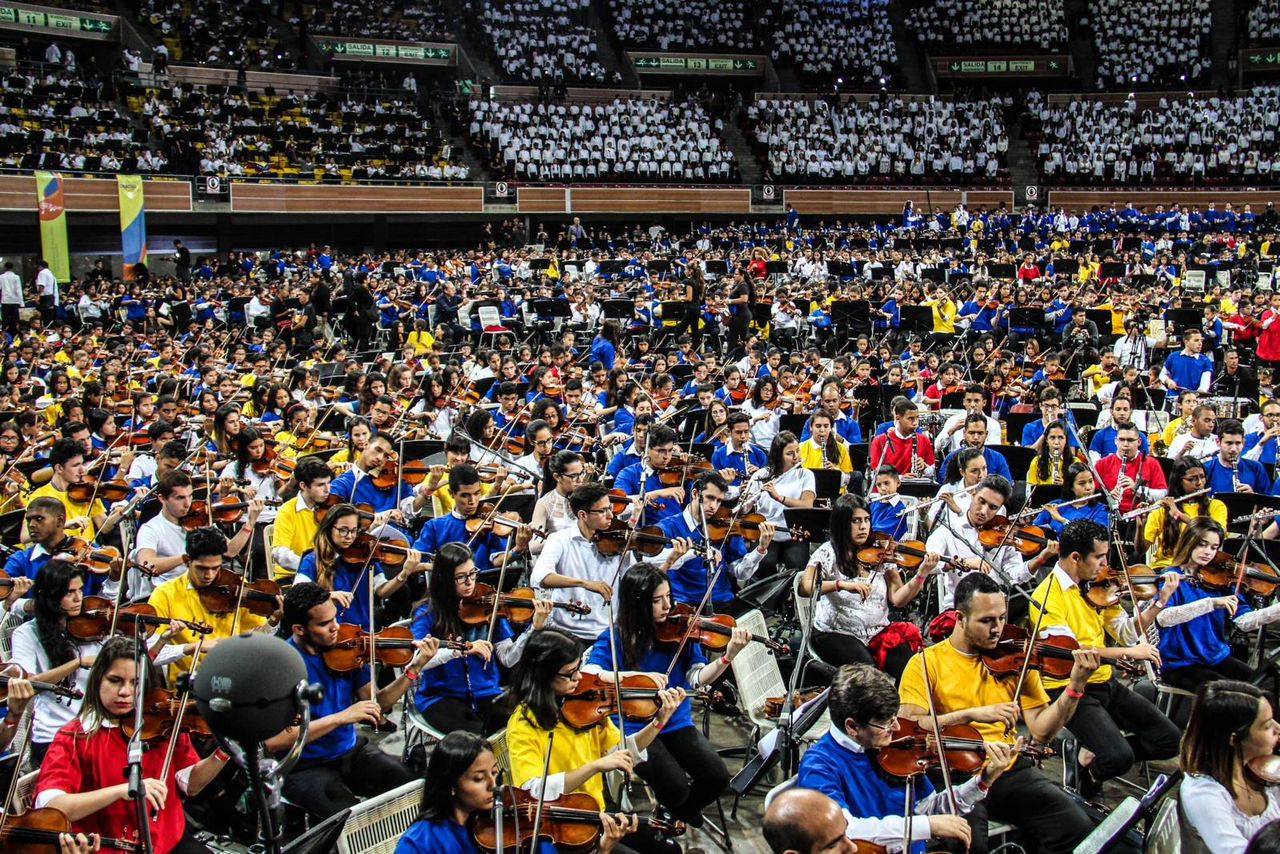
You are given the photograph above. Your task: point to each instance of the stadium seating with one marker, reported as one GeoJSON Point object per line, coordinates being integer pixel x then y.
{"type": "Point", "coordinates": [217, 32]}
{"type": "Point", "coordinates": [539, 41]}
{"type": "Point", "coordinates": [1153, 44]}
{"type": "Point", "coordinates": [954, 24]}
{"type": "Point", "coordinates": [406, 20]}
{"type": "Point", "coordinates": [686, 24]}
{"type": "Point", "coordinates": [827, 41]}
{"type": "Point", "coordinates": [1264, 21]}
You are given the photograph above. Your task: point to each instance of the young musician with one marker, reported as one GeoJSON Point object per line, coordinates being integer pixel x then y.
{"type": "Point", "coordinates": [458, 688]}
{"type": "Point", "coordinates": [960, 690]}
{"type": "Point", "coordinates": [782, 485]}
{"type": "Point", "coordinates": [851, 624]}
{"type": "Point", "coordinates": [550, 669]}
{"type": "Point", "coordinates": [1164, 524]}
{"type": "Point", "coordinates": [45, 523]}
{"type": "Point", "coordinates": [1078, 483]}
{"type": "Point", "coordinates": [1049, 465]}
{"type": "Point", "coordinates": [975, 436]}
{"type": "Point", "coordinates": [295, 532]}
{"type": "Point", "coordinates": [1195, 620]}
{"type": "Point", "coordinates": [84, 773]}
{"type": "Point", "coordinates": [864, 715]}
{"type": "Point", "coordinates": [356, 485]}
{"type": "Point", "coordinates": [347, 579]}
{"type": "Point", "coordinates": [1224, 803]}
{"type": "Point", "coordinates": [1105, 705]}
{"type": "Point", "coordinates": [552, 512]}
{"type": "Point", "coordinates": [1130, 476]}
{"type": "Point", "coordinates": [738, 459]}
{"type": "Point", "coordinates": [67, 457]}
{"type": "Point", "coordinates": [337, 766]}
{"type": "Point", "coordinates": [1228, 471]}
{"type": "Point", "coordinates": [889, 513]}
{"type": "Point", "coordinates": [489, 549]}
{"type": "Point", "coordinates": [660, 501]}
{"type": "Point", "coordinates": [823, 449]}
{"type": "Point", "coordinates": [683, 768]}
{"type": "Point", "coordinates": [462, 776]}
{"type": "Point", "coordinates": [904, 446]}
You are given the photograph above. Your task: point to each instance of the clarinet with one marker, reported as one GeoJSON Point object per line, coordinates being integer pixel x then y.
{"type": "Point", "coordinates": [1235, 476]}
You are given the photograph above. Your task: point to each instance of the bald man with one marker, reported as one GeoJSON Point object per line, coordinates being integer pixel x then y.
{"type": "Point", "coordinates": [805, 821]}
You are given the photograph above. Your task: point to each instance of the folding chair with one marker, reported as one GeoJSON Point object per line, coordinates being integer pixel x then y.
{"type": "Point", "coordinates": [376, 825]}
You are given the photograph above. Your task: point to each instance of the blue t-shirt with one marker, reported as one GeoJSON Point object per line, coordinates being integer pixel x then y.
{"type": "Point", "coordinates": [657, 661]}
{"type": "Point", "coordinates": [1103, 442]}
{"type": "Point", "coordinates": [1092, 511]}
{"type": "Point", "coordinates": [629, 481]}
{"type": "Point", "coordinates": [436, 837]}
{"type": "Point", "coordinates": [461, 678]}
{"type": "Point", "coordinates": [1247, 472]}
{"type": "Point", "coordinates": [1186, 371]}
{"type": "Point", "coordinates": [340, 692]}
{"type": "Point", "coordinates": [348, 578]}
{"type": "Point", "coordinates": [884, 517]}
{"type": "Point", "coordinates": [1199, 641]}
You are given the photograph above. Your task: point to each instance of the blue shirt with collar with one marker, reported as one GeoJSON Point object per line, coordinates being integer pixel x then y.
{"type": "Point", "coordinates": [689, 579]}
{"type": "Point", "coordinates": [725, 457]}
{"type": "Point", "coordinates": [364, 492]}
{"type": "Point", "coordinates": [452, 528]}
{"type": "Point", "coordinates": [467, 678]}
{"type": "Point", "coordinates": [630, 481]}
{"type": "Point", "coordinates": [1268, 456]}
{"type": "Point", "coordinates": [28, 563]}
{"type": "Point", "coordinates": [1103, 442]}
{"type": "Point", "coordinates": [347, 578]}
{"type": "Point", "coordinates": [624, 421]}
{"type": "Point", "coordinates": [884, 517]}
{"type": "Point", "coordinates": [1187, 371]}
{"type": "Point", "coordinates": [1248, 472]}
{"type": "Point", "coordinates": [624, 458]}
{"type": "Point", "coordinates": [996, 464]}
{"type": "Point", "coordinates": [340, 692]}
{"type": "Point", "coordinates": [1033, 431]}
{"type": "Point", "coordinates": [846, 428]}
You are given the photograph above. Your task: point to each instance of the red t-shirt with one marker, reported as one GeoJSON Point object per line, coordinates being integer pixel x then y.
{"type": "Point", "coordinates": [891, 449]}
{"type": "Point", "coordinates": [1269, 338]}
{"type": "Point", "coordinates": [1110, 467]}
{"type": "Point", "coordinates": [78, 763]}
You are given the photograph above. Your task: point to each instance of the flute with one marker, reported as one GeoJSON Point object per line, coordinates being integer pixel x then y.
{"type": "Point", "coordinates": [1142, 511]}
{"type": "Point", "coordinates": [935, 500]}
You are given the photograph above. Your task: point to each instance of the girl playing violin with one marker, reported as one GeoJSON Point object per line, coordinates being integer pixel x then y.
{"type": "Point", "coordinates": [462, 775]}
{"type": "Point", "coordinates": [781, 485]}
{"type": "Point", "coordinates": [1049, 464]}
{"type": "Point", "coordinates": [296, 428]}
{"type": "Point", "coordinates": [715, 427]}
{"type": "Point", "coordinates": [358, 433]}
{"type": "Point", "coordinates": [851, 623]}
{"type": "Point", "coordinates": [83, 775]}
{"type": "Point", "coordinates": [1077, 483]}
{"type": "Point", "coordinates": [1195, 621]}
{"type": "Point", "coordinates": [251, 455]}
{"type": "Point", "coordinates": [1223, 799]}
{"type": "Point", "coordinates": [1164, 525]}
{"type": "Point", "coordinates": [458, 690]}
{"type": "Point", "coordinates": [683, 768]}
{"type": "Point", "coordinates": [551, 669]}
{"type": "Point", "coordinates": [345, 578]}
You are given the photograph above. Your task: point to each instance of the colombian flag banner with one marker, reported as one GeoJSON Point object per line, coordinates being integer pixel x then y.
{"type": "Point", "coordinates": [133, 222]}
{"type": "Point", "coordinates": [53, 225]}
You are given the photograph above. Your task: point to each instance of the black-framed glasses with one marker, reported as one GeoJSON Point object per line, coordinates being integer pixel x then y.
{"type": "Point", "coordinates": [571, 675]}
{"type": "Point", "coordinates": [882, 727]}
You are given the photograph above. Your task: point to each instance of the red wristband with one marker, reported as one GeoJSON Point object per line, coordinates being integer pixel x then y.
{"type": "Point", "coordinates": [221, 755]}
{"type": "Point", "coordinates": [724, 659]}
{"type": "Point", "coordinates": [1073, 693]}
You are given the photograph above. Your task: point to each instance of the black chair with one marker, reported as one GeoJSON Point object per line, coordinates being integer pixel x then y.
{"type": "Point", "coordinates": [1018, 458]}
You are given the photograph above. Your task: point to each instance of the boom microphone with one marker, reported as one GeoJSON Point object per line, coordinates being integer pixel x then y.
{"type": "Point", "coordinates": [247, 688]}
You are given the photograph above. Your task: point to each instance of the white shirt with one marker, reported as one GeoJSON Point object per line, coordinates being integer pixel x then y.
{"type": "Point", "coordinates": [51, 711]}
{"type": "Point", "coordinates": [570, 554]}
{"type": "Point", "coordinates": [552, 513]}
{"type": "Point", "coordinates": [1196, 449]}
{"type": "Point", "coordinates": [1212, 813]}
{"type": "Point", "coordinates": [793, 484]}
{"type": "Point", "coordinates": [945, 444]}
{"type": "Point", "coordinates": [48, 284]}
{"type": "Point", "coordinates": [10, 288]}
{"type": "Point", "coordinates": [164, 538]}
{"type": "Point", "coordinates": [961, 541]}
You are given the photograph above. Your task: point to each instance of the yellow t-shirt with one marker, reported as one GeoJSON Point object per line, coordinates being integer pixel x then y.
{"type": "Point", "coordinates": [295, 530]}
{"type": "Point", "coordinates": [1035, 478]}
{"type": "Point", "coordinates": [1171, 431]}
{"type": "Point", "coordinates": [811, 457]}
{"type": "Point", "coordinates": [570, 750]}
{"type": "Point", "coordinates": [177, 599]}
{"type": "Point", "coordinates": [963, 682]}
{"type": "Point", "coordinates": [423, 342]}
{"type": "Point", "coordinates": [944, 316]}
{"type": "Point", "coordinates": [1153, 529]}
{"type": "Point", "coordinates": [73, 510]}
{"type": "Point", "coordinates": [1066, 608]}
{"type": "Point", "coordinates": [286, 444]}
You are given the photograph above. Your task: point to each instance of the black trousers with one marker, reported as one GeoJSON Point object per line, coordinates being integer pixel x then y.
{"type": "Point", "coordinates": [1110, 707]}
{"type": "Point", "coordinates": [1025, 797]}
{"type": "Point", "coordinates": [1191, 678]}
{"type": "Point", "coordinates": [685, 772]}
{"type": "Point", "coordinates": [449, 713]}
{"type": "Point", "coordinates": [9, 317]}
{"type": "Point", "coordinates": [691, 323]}
{"type": "Point", "coordinates": [792, 554]}
{"type": "Point", "coordinates": [839, 649]}
{"type": "Point", "coordinates": [327, 787]}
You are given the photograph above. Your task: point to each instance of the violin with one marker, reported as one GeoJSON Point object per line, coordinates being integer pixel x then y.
{"type": "Point", "coordinates": [228, 511]}
{"type": "Point", "coordinates": [500, 524]}
{"type": "Point", "coordinates": [571, 822]}
{"type": "Point", "coordinates": [914, 749]}
{"type": "Point", "coordinates": [107, 491]}
{"type": "Point", "coordinates": [1051, 656]}
{"type": "Point", "coordinates": [516, 606]}
{"type": "Point", "coordinates": [11, 670]}
{"type": "Point", "coordinates": [596, 699]}
{"type": "Point", "coordinates": [273, 463]}
{"type": "Point", "coordinates": [681, 468]}
{"type": "Point", "coordinates": [100, 560]}
{"type": "Point", "coordinates": [1221, 574]}
{"type": "Point", "coordinates": [221, 596]}
{"type": "Point", "coordinates": [1028, 540]}
{"type": "Point", "coordinates": [160, 711]}
{"type": "Point", "coordinates": [772, 706]}
{"type": "Point", "coordinates": [93, 623]}
{"type": "Point", "coordinates": [39, 832]}
{"type": "Point", "coordinates": [725, 524]}
{"type": "Point", "coordinates": [907, 554]}
{"type": "Point", "coordinates": [620, 537]}
{"type": "Point", "coordinates": [713, 632]}
{"type": "Point", "coordinates": [367, 548]}
{"type": "Point", "coordinates": [412, 473]}
{"type": "Point", "coordinates": [1109, 587]}
{"type": "Point", "coordinates": [364, 512]}
{"type": "Point", "coordinates": [393, 647]}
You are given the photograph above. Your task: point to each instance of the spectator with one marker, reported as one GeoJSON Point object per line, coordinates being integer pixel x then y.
{"type": "Point", "coordinates": [828, 41]}
{"type": "Point", "coordinates": [1152, 44]}
{"type": "Point", "coordinates": [954, 24]}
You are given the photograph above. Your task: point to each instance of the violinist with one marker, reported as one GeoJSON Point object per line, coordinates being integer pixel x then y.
{"type": "Point", "coordinates": [67, 457]}
{"type": "Point", "coordinates": [296, 428]}
{"type": "Point", "coordinates": [178, 599]}
{"type": "Point", "coordinates": [549, 670]}
{"type": "Point", "coordinates": [358, 485]}
{"type": "Point", "coordinates": [490, 550]}
{"type": "Point", "coordinates": [1224, 801]}
{"type": "Point", "coordinates": [851, 623]}
{"type": "Point", "coordinates": [964, 691]}
{"type": "Point", "coordinates": [642, 481]}
{"type": "Point", "coordinates": [84, 773]}
{"type": "Point", "coordinates": [461, 779]}
{"type": "Point", "coordinates": [1049, 464]}
{"type": "Point", "coordinates": [358, 433]}
{"type": "Point", "coordinates": [529, 470]}
{"type": "Point", "coordinates": [160, 433]}
{"type": "Point", "coordinates": [253, 464]}
{"type": "Point", "coordinates": [1078, 484]}
{"type": "Point", "coordinates": [1159, 534]}
{"type": "Point", "coordinates": [762, 408]}
{"type": "Point", "coordinates": [296, 523]}
{"type": "Point", "coordinates": [19, 695]}
{"type": "Point", "coordinates": [1106, 707]}
{"type": "Point", "coordinates": [162, 540]}
{"type": "Point", "coordinates": [458, 689]}
{"type": "Point", "coordinates": [45, 520]}
{"type": "Point", "coordinates": [338, 766]}
{"type": "Point", "coordinates": [715, 420]}
{"type": "Point", "coordinates": [1195, 621]}
{"type": "Point", "coordinates": [842, 765]}
{"type": "Point", "coordinates": [345, 578]}
{"type": "Point", "coordinates": [552, 513]}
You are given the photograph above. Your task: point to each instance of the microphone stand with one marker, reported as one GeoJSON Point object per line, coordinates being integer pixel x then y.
{"type": "Point", "coordinates": [786, 734]}
{"type": "Point", "coordinates": [133, 770]}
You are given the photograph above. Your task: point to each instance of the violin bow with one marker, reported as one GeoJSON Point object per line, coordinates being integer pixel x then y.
{"type": "Point", "coordinates": [1032, 640]}
{"type": "Point", "coordinates": [937, 735]}
{"type": "Point", "coordinates": [29, 714]}
{"type": "Point", "coordinates": [178, 714]}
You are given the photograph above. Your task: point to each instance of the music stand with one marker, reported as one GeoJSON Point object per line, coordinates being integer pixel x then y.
{"type": "Point", "coordinates": [550, 309]}
{"type": "Point", "coordinates": [622, 309]}
{"type": "Point", "coordinates": [917, 319]}
{"type": "Point", "coordinates": [1185, 318]}
{"type": "Point", "coordinates": [849, 312]}
{"type": "Point", "coordinates": [1026, 318]}
{"type": "Point", "coordinates": [777, 268]}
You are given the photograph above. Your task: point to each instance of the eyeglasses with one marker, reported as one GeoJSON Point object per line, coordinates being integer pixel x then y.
{"type": "Point", "coordinates": [468, 576]}
{"type": "Point", "coordinates": [571, 675]}
{"type": "Point", "coordinates": [346, 532]}
{"type": "Point", "coordinates": [882, 727]}
{"type": "Point", "coordinates": [608, 510]}
{"type": "Point", "coordinates": [573, 475]}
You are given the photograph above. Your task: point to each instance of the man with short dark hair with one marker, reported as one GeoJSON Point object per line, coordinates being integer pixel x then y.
{"type": "Point", "coordinates": [959, 690]}
{"type": "Point", "coordinates": [904, 445]}
{"type": "Point", "coordinates": [642, 483]}
{"type": "Point", "coordinates": [296, 524]}
{"type": "Point", "coordinates": [975, 436]}
{"type": "Point", "coordinates": [337, 765]}
{"type": "Point", "coordinates": [44, 520]}
{"type": "Point", "coordinates": [1130, 475]}
{"type": "Point", "coordinates": [951, 437]}
{"type": "Point", "coordinates": [1198, 443]}
{"type": "Point", "coordinates": [88, 521]}
{"type": "Point", "coordinates": [490, 550]}
{"type": "Point", "coordinates": [1228, 471]}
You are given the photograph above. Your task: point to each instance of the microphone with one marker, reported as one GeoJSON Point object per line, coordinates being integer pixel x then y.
{"type": "Point", "coordinates": [248, 687]}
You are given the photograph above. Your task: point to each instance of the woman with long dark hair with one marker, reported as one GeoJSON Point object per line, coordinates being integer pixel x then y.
{"type": "Point", "coordinates": [462, 775]}
{"type": "Point", "coordinates": [606, 345]}
{"type": "Point", "coordinates": [1164, 525]}
{"type": "Point", "coordinates": [1223, 803]}
{"type": "Point", "coordinates": [1077, 484]}
{"type": "Point", "coordinates": [45, 649]}
{"type": "Point", "coordinates": [784, 484]}
{"type": "Point", "coordinates": [348, 581]}
{"type": "Point", "coordinates": [851, 623]}
{"type": "Point", "coordinates": [762, 406]}
{"type": "Point", "coordinates": [251, 449]}
{"type": "Point", "coordinates": [359, 431]}
{"type": "Point", "coordinates": [1049, 465]}
{"type": "Point", "coordinates": [457, 690]}
{"type": "Point", "coordinates": [683, 768]}
{"type": "Point", "coordinates": [84, 774]}
{"type": "Point", "coordinates": [550, 669]}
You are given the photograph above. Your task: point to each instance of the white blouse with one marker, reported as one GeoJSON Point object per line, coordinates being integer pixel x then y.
{"type": "Point", "coordinates": [843, 611]}
{"type": "Point", "coordinates": [794, 484]}
{"type": "Point", "coordinates": [1210, 810]}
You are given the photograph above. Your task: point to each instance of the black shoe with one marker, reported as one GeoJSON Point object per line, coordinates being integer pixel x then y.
{"type": "Point", "coordinates": [386, 725]}
{"type": "Point", "coordinates": [1071, 765]}
{"type": "Point", "coordinates": [1090, 789]}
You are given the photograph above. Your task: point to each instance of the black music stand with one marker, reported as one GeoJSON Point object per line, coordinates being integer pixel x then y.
{"type": "Point", "coordinates": [916, 319]}
{"type": "Point", "coordinates": [1027, 318]}
{"type": "Point", "coordinates": [321, 839]}
{"type": "Point", "coordinates": [621, 309]}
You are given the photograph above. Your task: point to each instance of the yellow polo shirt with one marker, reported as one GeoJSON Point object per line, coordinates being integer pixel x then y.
{"type": "Point", "coordinates": [1065, 608]}
{"type": "Point", "coordinates": [963, 682]}
{"type": "Point", "coordinates": [177, 599]}
{"type": "Point", "coordinates": [73, 510]}
{"type": "Point", "coordinates": [811, 457]}
{"type": "Point", "coordinates": [295, 530]}
{"type": "Point", "coordinates": [570, 750]}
